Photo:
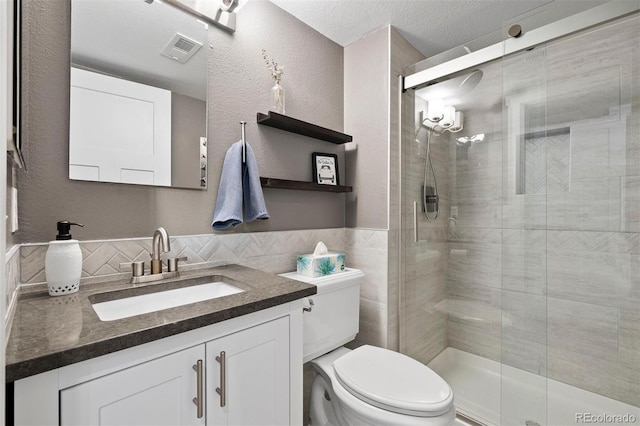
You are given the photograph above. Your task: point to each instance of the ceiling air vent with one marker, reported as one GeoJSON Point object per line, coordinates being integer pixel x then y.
{"type": "Point", "coordinates": [181, 48]}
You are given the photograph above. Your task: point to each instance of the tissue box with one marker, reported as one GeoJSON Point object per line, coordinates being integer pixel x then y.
{"type": "Point", "coordinates": [318, 265]}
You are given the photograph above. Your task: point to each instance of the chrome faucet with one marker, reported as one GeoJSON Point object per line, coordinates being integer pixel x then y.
{"type": "Point", "coordinates": [160, 245]}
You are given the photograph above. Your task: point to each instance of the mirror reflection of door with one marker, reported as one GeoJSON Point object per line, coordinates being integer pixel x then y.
{"type": "Point", "coordinates": [120, 131]}
{"type": "Point", "coordinates": [138, 94]}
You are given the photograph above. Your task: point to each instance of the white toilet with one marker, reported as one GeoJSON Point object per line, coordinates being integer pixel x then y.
{"type": "Point", "coordinates": [368, 385]}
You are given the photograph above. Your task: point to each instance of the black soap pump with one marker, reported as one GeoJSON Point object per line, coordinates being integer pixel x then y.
{"type": "Point", "coordinates": [63, 262]}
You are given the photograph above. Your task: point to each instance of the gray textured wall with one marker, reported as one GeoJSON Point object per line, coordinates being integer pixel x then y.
{"type": "Point", "coordinates": [366, 117]}
{"type": "Point", "coordinates": [239, 86]}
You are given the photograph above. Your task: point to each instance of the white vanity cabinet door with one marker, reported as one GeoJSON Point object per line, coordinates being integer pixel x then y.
{"type": "Point", "coordinates": [256, 366]}
{"type": "Point", "coordinates": [158, 392]}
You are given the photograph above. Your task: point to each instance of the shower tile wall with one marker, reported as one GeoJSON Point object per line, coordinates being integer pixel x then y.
{"type": "Point", "coordinates": [424, 324]}
{"type": "Point", "coordinates": [367, 249]}
{"type": "Point", "coordinates": [402, 54]}
{"type": "Point", "coordinates": [548, 280]}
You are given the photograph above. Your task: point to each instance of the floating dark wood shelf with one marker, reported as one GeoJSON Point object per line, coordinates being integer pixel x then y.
{"type": "Point", "coordinates": [304, 186]}
{"type": "Point", "coordinates": [293, 125]}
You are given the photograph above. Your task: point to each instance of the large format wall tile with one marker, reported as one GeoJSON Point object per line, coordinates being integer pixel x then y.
{"type": "Point", "coordinates": [600, 151]}
{"type": "Point", "coordinates": [367, 249]}
{"type": "Point", "coordinates": [478, 338]}
{"type": "Point", "coordinates": [631, 204]}
{"type": "Point", "coordinates": [393, 293]}
{"type": "Point", "coordinates": [476, 263]}
{"type": "Point", "coordinates": [527, 211]}
{"type": "Point", "coordinates": [426, 334]}
{"type": "Point", "coordinates": [583, 328]}
{"type": "Point", "coordinates": [593, 204]}
{"type": "Point", "coordinates": [603, 377]}
{"type": "Point", "coordinates": [524, 260]}
{"type": "Point", "coordinates": [474, 319]}
{"type": "Point", "coordinates": [373, 324]}
{"type": "Point", "coordinates": [595, 347]}
{"type": "Point", "coordinates": [599, 268]}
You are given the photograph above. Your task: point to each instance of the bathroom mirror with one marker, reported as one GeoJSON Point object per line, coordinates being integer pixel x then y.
{"type": "Point", "coordinates": [138, 93]}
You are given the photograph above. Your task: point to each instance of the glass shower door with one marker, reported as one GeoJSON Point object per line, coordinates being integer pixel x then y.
{"type": "Point", "coordinates": [570, 279]}
{"type": "Point", "coordinates": [531, 149]}
{"type": "Point", "coordinates": [524, 292]}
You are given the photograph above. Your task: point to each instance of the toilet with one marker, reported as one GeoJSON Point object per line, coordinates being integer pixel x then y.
{"type": "Point", "coordinates": [367, 385]}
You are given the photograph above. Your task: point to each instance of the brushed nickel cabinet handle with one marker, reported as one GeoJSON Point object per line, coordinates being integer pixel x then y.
{"type": "Point", "coordinates": [222, 391]}
{"type": "Point", "coordinates": [199, 399]}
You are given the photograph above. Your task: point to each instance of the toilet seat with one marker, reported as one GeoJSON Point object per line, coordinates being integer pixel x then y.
{"type": "Point", "coordinates": [393, 382]}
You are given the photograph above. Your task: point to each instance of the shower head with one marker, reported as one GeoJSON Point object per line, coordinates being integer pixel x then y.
{"type": "Point", "coordinates": [471, 81]}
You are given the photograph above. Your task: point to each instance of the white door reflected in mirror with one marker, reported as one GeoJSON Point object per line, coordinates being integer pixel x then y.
{"type": "Point", "coordinates": [137, 149]}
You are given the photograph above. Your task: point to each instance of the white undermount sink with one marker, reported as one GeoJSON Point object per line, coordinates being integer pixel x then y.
{"type": "Point", "coordinates": [152, 302]}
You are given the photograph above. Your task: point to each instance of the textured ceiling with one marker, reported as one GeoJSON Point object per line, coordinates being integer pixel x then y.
{"type": "Point", "coordinates": [432, 26]}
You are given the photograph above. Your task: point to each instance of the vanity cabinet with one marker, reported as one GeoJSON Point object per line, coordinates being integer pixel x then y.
{"type": "Point", "coordinates": [158, 392]}
{"type": "Point", "coordinates": [255, 367]}
{"type": "Point", "coordinates": [251, 375]}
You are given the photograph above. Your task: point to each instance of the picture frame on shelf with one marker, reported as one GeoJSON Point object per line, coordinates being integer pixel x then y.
{"type": "Point", "coordinates": [325, 168]}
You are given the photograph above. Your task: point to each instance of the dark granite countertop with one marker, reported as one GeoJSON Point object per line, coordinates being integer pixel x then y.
{"type": "Point", "coordinates": [51, 332]}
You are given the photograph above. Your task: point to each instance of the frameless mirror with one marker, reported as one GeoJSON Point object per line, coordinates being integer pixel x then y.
{"type": "Point", "coordinates": [138, 94]}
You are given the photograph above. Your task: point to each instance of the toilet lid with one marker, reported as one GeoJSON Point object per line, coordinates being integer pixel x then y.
{"type": "Point", "coordinates": [393, 381]}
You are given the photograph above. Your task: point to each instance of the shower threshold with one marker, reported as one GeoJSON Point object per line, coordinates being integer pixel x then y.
{"type": "Point", "coordinates": [488, 393]}
{"type": "Point", "coordinates": [462, 420]}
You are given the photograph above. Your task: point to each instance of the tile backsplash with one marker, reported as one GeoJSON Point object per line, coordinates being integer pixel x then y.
{"type": "Point", "coordinates": [269, 251]}
{"type": "Point", "coordinates": [275, 252]}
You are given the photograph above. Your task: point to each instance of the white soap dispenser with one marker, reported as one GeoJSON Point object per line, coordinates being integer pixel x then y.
{"type": "Point", "coordinates": [63, 262]}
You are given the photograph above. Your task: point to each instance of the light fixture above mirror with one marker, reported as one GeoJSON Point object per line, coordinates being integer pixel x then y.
{"type": "Point", "coordinates": [221, 13]}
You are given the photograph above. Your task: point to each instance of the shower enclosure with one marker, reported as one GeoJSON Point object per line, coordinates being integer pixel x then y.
{"type": "Point", "coordinates": [524, 291]}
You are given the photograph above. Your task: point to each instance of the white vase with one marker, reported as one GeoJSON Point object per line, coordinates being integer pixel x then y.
{"type": "Point", "coordinates": [277, 98]}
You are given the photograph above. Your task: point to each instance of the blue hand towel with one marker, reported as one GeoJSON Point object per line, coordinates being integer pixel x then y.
{"type": "Point", "coordinates": [239, 181]}
{"type": "Point", "coordinates": [254, 206]}
{"type": "Point", "coordinates": [228, 211]}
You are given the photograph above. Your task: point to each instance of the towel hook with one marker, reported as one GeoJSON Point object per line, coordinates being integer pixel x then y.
{"type": "Point", "coordinates": [243, 124]}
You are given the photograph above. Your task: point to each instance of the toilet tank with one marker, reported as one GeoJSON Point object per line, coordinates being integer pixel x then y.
{"type": "Point", "coordinates": [334, 316]}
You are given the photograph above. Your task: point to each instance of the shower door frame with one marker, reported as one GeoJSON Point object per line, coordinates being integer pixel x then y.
{"type": "Point", "coordinates": [580, 21]}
